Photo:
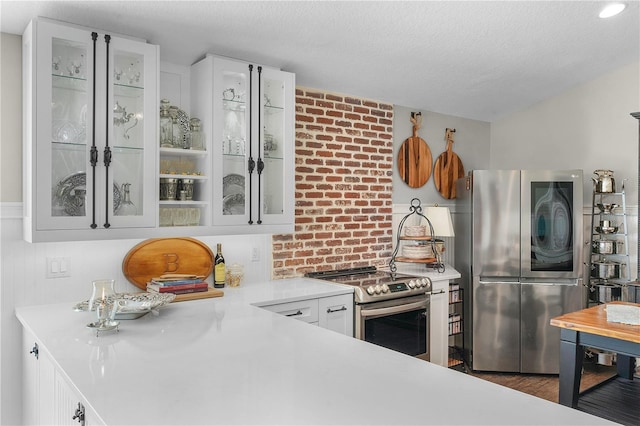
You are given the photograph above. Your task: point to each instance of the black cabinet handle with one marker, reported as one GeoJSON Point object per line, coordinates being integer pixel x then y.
{"type": "Point", "coordinates": [295, 314]}
{"type": "Point", "coordinates": [107, 149]}
{"type": "Point", "coordinates": [35, 351]}
{"type": "Point", "coordinates": [260, 162]}
{"type": "Point", "coordinates": [94, 150]}
{"type": "Point", "coordinates": [252, 163]}
{"type": "Point", "coordinates": [330, 311]}
{"type": "Point", "coordinates": [79, 414]}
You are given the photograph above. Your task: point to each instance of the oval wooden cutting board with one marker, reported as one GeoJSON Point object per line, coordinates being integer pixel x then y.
{"type": "Point", "coordinates": [159, 256]}
{"type": "Point", "coordinates": [448, 169]}
{"type": "Point", "coordinates": [414, 159]}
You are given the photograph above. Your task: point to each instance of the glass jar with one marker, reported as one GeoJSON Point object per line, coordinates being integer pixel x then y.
{"type": "Point", "coordinates": [235, 273]}
{"type": "Point", "coordinates": [166, 125]}
{"type": "Point", "coordinates": [176, 131]}
{"type": "Point", "coordinates": [197, 138]}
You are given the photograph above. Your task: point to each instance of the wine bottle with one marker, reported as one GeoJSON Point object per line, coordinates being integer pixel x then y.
{"type": "Point", "coordinates": [219, 269]}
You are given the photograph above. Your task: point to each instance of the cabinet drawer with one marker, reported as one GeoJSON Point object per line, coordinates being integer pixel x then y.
{"type": "Point", "coordinates": [303, 310]}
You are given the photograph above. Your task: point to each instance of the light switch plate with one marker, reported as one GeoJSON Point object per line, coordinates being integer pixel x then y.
{"type": "Point", "coordinates": [58, 267]}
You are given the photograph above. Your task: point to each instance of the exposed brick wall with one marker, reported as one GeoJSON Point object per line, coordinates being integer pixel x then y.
{"type": "Point", "coordinates": [343, 172]}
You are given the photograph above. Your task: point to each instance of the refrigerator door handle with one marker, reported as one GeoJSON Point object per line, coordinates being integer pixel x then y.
{"type": "Point", "coordinates": [569, 282]}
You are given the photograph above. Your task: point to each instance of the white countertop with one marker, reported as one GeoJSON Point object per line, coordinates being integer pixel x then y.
{"type": "Point", "coordinates": [224, 361]}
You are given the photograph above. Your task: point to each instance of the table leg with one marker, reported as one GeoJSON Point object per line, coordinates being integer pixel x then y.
{"type": "Point", "coordinates": [626, 366]}
{"type": "Point", "coordinates": [571, 356]}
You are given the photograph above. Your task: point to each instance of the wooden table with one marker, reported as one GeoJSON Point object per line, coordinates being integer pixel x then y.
{"type": "Point", "coordinates": [589, 327]}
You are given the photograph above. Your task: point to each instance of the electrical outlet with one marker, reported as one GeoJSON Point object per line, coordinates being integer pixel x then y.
{"type": "Point", "coordinates": [255, 254]}
{"type": "Point", "coordinates": [58, 267]}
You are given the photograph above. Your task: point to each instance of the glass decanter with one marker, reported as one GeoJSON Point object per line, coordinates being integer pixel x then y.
{"type": "Point", "coordinates": [127, 208]}
{"type": "Point", "coordinates": [166, 125]}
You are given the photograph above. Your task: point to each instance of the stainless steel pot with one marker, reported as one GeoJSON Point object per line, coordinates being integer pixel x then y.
{"type": "Point", "coordinates": [605, 270]}
{"type": "Point", "coordinates": [606, 247]}
{"type": "Point", "coordinates": [605, 293]}
{"type": "Point", "coordinates": [607, 208]}
{"type": "Point", "coordinates": [605, 181]}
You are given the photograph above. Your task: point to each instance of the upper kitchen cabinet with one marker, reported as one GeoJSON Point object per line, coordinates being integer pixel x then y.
{"type": "Point", "coordinates": [90, 134]}
{"type": "Point", "coordinates": [249, 111]}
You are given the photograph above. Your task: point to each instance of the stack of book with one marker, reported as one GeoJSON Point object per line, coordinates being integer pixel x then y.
{"type": "Point", "coordinates": [177, 284]}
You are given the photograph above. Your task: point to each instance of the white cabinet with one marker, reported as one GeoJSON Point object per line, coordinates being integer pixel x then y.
{"type": "Point", "coordinates": [303, 310]}
{"type": "Point", "coordinates": [332, 312]}
{"type": "Point", "coordinates": [37, 383]}
{"type": "Point", "coordinates": [47, 397]}
{"type": "Point", "coordinates": [336, 313]}
{"type": "Point", "coordinates": [90, 132]}
{"type": "Point", "coordinates": [70, 409]}
{"type": "Point", "coordinates": [247, 112]}
{"type": "Point", "coordinates": [439, 329]}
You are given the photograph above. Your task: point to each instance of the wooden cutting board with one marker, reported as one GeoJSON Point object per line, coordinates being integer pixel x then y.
{"type": "Point", "coordinates": [414, 159]}
{"type": "Point", "coordinates": [159, 256]}
{"type": "Point", "coordinates": [448, 169]}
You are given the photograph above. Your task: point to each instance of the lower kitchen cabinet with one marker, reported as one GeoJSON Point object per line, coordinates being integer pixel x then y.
{"type": "Point", "coordinates": [69, 408]}
{"type": "Point", "coordinates": [336, 313]}
{"type": "Point", "coordinates": [37, 383]}
{"type": "Point", "coordinates": [439, 340]}
{"type": "Point", "coordinates": [47, 397]}
{"type": "Point", "coordinates": [333, 312]}
{"type": "Point", "coordinates": [302, 310]}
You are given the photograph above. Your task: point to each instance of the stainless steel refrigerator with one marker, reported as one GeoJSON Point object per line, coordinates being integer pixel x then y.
{"type": "Point", "coordinates": [519, 249]}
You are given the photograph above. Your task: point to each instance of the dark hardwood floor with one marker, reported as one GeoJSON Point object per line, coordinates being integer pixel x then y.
{"type": "Point", "coordinates": [546, 386]}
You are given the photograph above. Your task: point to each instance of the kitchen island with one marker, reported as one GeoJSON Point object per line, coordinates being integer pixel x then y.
{"type": "Point", "coordinates": [226, 361]}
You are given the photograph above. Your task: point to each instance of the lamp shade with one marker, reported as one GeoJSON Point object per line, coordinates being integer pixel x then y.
{"type": "Point", "coordinates": [440, 219]}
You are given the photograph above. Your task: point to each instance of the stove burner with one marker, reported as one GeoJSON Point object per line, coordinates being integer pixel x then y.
{"type": "Point", "coordinates": [372, 285]}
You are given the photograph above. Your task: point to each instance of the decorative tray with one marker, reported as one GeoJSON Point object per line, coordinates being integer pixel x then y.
{"type": "Point", "coordinates": [70, 194]}
{"type": "Point", "coordinates": [137, 304]}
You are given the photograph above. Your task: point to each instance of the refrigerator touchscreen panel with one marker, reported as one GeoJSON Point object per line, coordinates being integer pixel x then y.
{"type": "Point", "coordinates": [552, 226]}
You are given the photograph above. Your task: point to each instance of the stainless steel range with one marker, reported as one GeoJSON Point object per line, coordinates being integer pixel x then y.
{"type": "Point", "coordinates": [391, 309]}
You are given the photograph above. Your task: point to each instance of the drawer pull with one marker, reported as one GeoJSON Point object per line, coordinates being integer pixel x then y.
{"type": "Point", "coordinates": [330, 311]}
{"type": "Point", "coordinates": [295, 314]}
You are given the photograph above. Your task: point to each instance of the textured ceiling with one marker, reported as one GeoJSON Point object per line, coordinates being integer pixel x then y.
{"type": "Point", "coordinates": [473, 59]}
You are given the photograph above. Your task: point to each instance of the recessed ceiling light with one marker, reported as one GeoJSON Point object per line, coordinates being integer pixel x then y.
{"type": "Point", "coordinates": [612, 10]}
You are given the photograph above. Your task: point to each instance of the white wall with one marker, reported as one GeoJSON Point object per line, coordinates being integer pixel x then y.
{"type": "Point", "coordinates": [588, 127]}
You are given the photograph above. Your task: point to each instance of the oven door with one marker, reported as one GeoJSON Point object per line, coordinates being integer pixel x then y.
{"type": "Point", "coordinates": [399, 324]}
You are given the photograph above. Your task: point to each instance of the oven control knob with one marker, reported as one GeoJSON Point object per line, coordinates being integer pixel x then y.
{"type": "Point", "coordinates": [385, 288]}
{"type": "Point", "coordinates": [370, 290]}
{"type": "Point", "coordinates": [425, 282]}
{"type": "Point", "coordinates": [378, 289]}
{"type": "Point", "coordinates": [412, 284]}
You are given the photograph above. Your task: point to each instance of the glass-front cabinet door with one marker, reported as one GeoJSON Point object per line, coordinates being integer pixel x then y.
{"type": "Point", "coordinates": [90, 128]}
{"type": "Point", "coordinates": [253, 144]}
{"type": "Point", "coordinates": [233, 146]}
{"type": "Point", "coordinates": [276, 147]}
{"type": "Point", "coordinates": [133, 123]}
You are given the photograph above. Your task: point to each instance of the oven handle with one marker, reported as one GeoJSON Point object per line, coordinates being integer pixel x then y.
{"type": "Point", "coordinates": [394, 309]}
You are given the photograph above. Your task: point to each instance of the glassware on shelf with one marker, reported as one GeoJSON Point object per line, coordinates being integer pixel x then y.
{"type": "Point", "coordinates": [127, 208]}
{"type": "Point", "coordinates": [176, 130]}
{"type": "Point", "coordinates": [168, 188]}
{"type": "Point", "coordinates": [186, 185]}
{"type": "Point", "coordinates": [166, 125]}
{"type": "Point", "coordinates": [197, 137]}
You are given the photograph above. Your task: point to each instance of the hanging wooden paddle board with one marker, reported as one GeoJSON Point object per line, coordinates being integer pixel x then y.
{"type": "Point", "coordinates": [414, 159]}
{"type": "Point", "coordinates": [448, 169]}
